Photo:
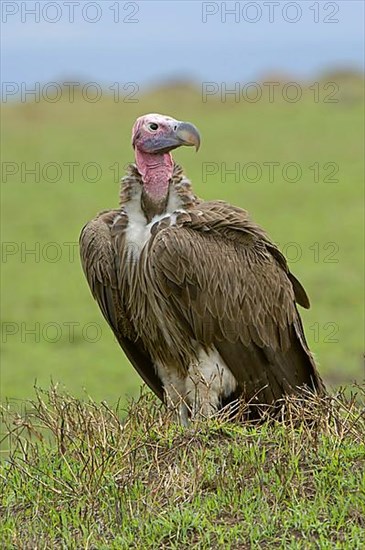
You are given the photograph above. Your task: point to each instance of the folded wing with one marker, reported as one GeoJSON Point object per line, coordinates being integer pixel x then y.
{"type": "Point", "coordinates": [230, 287]}
{"type": "Point", "coordinates": [101, 243]}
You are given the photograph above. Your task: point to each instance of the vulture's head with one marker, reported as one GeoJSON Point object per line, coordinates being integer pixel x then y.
{"type": "Point", "coordinates": [159, 134]}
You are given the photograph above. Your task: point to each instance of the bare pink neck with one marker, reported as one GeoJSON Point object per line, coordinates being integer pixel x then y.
{"type": "Point", "coordinates": [156, 172]}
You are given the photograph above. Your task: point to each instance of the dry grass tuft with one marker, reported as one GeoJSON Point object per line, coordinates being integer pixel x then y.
{"type": "Point", "coordinates": [76, 475]}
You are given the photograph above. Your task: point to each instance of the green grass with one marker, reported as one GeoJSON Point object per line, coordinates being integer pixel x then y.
{"type": "Point", "coordinates": [77, 477]}
{"type": "Point", "coordinates": [35, 290]}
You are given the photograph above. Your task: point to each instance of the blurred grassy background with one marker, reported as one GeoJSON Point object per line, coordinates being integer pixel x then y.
{"type": "Point", "coordinates": [306, 212]}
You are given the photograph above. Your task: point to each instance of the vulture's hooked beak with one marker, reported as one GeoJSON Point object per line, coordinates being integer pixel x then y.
{"type": "Point", "coordinates": [188, 134]}
{"type": "Point", "coordinates": [180, 133]}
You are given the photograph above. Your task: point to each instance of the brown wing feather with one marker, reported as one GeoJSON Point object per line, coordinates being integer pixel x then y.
{"type": "Point", "coordinates": [230, 287]}
{"type": "Point", "coordinates": [99, 257]}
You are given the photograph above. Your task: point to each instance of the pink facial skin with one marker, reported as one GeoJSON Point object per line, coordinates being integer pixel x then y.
{"type": "Point", "coordinates": [153, 137]}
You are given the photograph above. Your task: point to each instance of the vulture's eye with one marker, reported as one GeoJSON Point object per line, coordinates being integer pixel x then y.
{"type": "Point", "coordinates": [153, 126]}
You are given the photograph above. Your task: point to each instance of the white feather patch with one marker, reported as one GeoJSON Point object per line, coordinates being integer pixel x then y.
{"type": "Point", "coordinates": [207, 382]}
{"type": "Point", "coordinates": [138, 231]}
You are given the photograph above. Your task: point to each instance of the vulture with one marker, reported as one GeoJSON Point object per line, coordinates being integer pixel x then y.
{"type": "Point", "coordinates": [197, 295]}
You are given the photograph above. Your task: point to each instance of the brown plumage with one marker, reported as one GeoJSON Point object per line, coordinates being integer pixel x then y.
{"type": "Point", "coordinates": [199, 298]}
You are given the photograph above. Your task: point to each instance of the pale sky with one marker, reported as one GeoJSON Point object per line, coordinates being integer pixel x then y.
{"type": "Point", "coordinates": [161, 40]}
